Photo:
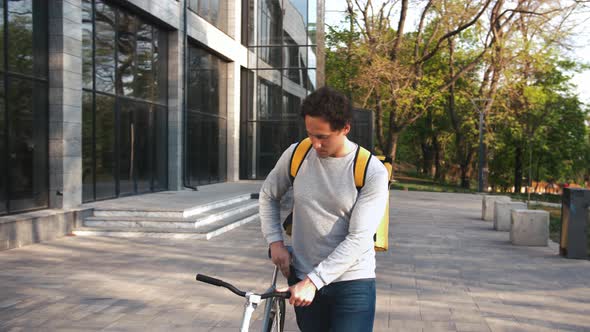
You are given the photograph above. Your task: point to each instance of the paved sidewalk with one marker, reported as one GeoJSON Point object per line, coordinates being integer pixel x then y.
{"type": "Point", "coordinates": [446, 271]}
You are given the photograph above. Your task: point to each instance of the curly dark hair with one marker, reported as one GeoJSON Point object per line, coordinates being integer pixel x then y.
{"type": "Point", "coordinates": [329, 104]}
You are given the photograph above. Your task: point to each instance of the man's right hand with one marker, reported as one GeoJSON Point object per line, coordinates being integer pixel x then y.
{"type": "Point", "coordinates": [281, 257]}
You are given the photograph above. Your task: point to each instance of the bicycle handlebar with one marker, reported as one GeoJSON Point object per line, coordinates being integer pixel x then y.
{"type": "Point", "coordinates": [220, 283]}
{"type": "Point", "coordinates": [233, 289]}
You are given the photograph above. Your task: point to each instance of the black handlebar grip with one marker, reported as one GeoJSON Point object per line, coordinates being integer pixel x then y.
{"type": "Point", "coordinates": [209, 280]}
{"type": "Point", "coordinates": [285, 295]}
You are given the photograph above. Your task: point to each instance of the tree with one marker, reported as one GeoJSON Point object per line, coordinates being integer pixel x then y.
{"type": "Point", "coordinates": [342, 62]}
{"type": "Point", "coordinates": [392, 72]}
{"type": "Point", "coordinates": [425, 78]}
{"type": "Point", "coordinates": [526, 51]}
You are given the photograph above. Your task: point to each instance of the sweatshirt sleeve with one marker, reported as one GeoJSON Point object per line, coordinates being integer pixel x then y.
{"type": "Point", "coordinates": [274, 187]}
{"type": "Point", "coordinates": [364, 221]}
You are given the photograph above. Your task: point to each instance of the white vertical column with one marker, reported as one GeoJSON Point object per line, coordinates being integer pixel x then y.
{"type": "Point", "coordinates": [65, 104]}
{"type": "Point", "coordinates": [233, 121]}
{"type": "Point", "coordinates": [320, 39]}
{"type": "Point", "coordinates": [175, 111]}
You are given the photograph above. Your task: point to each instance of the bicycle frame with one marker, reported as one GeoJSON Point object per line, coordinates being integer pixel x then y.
{"type": "Point", "coordinates": [268, 307]}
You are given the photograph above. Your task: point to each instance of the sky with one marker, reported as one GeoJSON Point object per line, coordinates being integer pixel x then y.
{"type": "Point", "coordinates": [581, 41]}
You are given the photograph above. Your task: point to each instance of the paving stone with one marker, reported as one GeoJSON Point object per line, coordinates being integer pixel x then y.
{"type": "Point", "coordinates": [472, 327]}
{"type": "Point", "coordinates": [445, 271]}
{"type": "Point", "coordinates": [435, 314]}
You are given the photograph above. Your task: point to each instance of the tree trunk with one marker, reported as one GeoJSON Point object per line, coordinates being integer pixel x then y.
{"type": "Point", "coordinates": [393, 145]}
{"type": "Point", "coordinates": [436, 167]}
{"type": "Point", "coordinates": [465, 169]}
{"type": "Point", "coordinates": [518, 169]}
{"type": "Point", "coordinates": [484, 165]}
{"type": "Point", "coordinates": [427, 146]}
{"type": "Point", "coordinates": [464, 177]}
{"type": "Point", "coordinates": [463, 152]}
{"type": "Point", "coordinates": [379, 123]}
{"type": "Point", "coordinates": [537, 173]}
{"type": "Point", "coordinates": [400, 31]}
{"type": "Point", "coordinates": [426, 156]}
{"type": "Point", "coordinates": [489, 102]}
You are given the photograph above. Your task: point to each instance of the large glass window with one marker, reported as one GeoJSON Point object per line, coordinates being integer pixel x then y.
{"type": "Point", "coordinates": [270, 22]}
{"type": "Point", "coordinates": [207, 118]}
{"type": "Point", "coordinates": [124, 103]}
{"type": "Point", "coordinates": [3, 151]}
{"type": "Point", "coordinates": [23, 105]}
{"type": "Point", "coordinates": [247, 22]}
{"type": "Point", "coordinates": [214, 11]}
{"type": "Point", "coordinates": [104, 46]}
{"type": "Point", "coordinates": [280, 77]}
{"type": "Point", "coordinates": [126, 37]}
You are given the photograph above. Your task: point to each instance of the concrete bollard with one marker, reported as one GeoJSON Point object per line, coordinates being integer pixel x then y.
{"type": "Point", "coordinates": [487, 206]}
{"type": "Point", "coordinates": [529, 227]}
{"type": "Point", "coordinates": [503, 214]}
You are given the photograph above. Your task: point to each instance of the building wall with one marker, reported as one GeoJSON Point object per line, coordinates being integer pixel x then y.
{"type": "Point", "coordinates": [66, 85]}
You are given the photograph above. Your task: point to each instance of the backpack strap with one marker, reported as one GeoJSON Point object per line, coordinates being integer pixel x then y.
{"type": "Point", "coordinates": [361, 163]}
{"type": "Point", "coordinates": [299, 154]}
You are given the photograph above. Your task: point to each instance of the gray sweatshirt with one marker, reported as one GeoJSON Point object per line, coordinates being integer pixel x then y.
{"type": "Point", "coordinates": [333, 224]}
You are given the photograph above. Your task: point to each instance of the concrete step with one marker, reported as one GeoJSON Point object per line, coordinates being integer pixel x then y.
{"type": "Point", "coordinates": [180, 233]}
{"type": "Point", "coordinates": [224, 225]}
{"type": "Point", "coordinates": [210, 231]}
{"type": "Point", "coordinates": [238, 210]}
{"type": "Point", "coordinates": [227, 212]}
{"type": "Point", "coordinates": [168, 213]}
{"type": "Point", "coordinates": [139, 222]}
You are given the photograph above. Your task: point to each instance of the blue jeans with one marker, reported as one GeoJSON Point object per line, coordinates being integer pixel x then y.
{"type": "Point", "coordinates": [345, 306]}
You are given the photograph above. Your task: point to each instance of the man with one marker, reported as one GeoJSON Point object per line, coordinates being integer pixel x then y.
{"type": "Point", "coordinates": [332, 276]}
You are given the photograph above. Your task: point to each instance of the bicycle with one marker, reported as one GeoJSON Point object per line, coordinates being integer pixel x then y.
{"type": "Point", "coordinates": [274, 310]}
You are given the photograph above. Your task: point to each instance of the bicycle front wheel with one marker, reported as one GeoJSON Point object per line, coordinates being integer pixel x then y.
{"type": "Point", "coordinates": [277, 315]}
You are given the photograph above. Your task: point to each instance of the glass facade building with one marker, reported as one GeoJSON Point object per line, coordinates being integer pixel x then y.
{"type": "Point", "coordinates": [124, 113]}
{"type": "Point", "coordinates": [283, 51]}
{"type": "Point", "coordinates": [206, 118]}
{"type": "Point", "coordinates": [123, 97]}
{"type": "Point", "coordinates": [213, 11]}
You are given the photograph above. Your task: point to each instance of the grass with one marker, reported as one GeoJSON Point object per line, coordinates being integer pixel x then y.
{"type": "Point", "coordinates": [416, 183]}
{"type": "Point", "coordinates": [550, 198]}
{"type": "Point", "coordinates": [413, 181]}
{"type": "Point", "coordinates": [554, 220]}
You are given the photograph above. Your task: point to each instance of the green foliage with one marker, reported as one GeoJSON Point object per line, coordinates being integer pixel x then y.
{"type": "Point", "coordinates": [546, 118]}
{"type": "Point", "coordinates": [535, 124]}
{"type": "Point", "coordinates": [342, 57]}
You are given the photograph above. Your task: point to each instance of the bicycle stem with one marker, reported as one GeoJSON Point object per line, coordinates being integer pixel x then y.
{"type": "Point", "coordinates": [252, 301]}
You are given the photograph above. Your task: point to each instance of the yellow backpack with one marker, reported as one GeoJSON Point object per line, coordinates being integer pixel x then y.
{"type": "Point", "coordinates": [361, 161]}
